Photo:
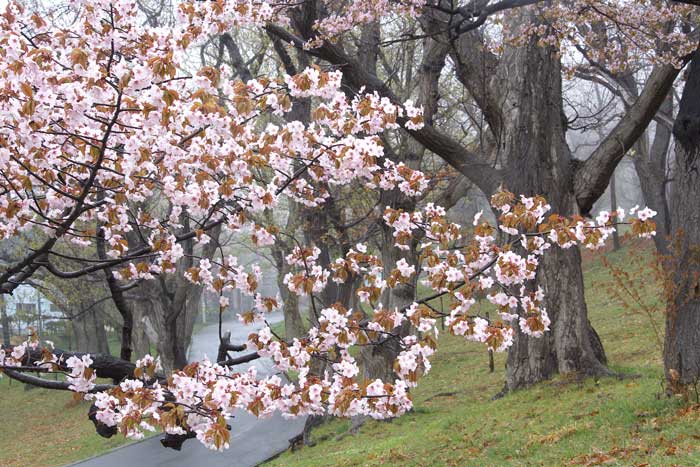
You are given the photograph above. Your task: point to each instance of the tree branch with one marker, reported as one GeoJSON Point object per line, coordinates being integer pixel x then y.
{"type": "Point", "coordinates": [49, 384]}
{"type": "Point", "coordinates": [480, 173]}
{"type": "Point", "coordinates": [592, 177]}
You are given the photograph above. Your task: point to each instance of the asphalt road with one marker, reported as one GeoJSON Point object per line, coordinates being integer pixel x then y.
{"type": "Point", "coordinates": [252, 440]}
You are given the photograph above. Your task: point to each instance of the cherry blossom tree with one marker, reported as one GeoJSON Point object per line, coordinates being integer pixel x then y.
{"type": "Point", "coordinates": [99, 116]}
{"type": "Point", "coordinates": [515, 62]}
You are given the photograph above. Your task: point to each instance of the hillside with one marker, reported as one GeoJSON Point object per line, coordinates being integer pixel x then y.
{"type": "Point", "coordinates": [46, 428]}
{"type": "Point", "coordinates": [562, 422]}
{"type": "Point", "coordinates": [624, 422]}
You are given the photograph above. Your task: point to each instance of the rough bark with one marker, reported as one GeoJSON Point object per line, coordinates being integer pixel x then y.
{"type": "Point", "coordinates": [171, 316]}
{"type": "Point", "coordinates": [682, 339]}
{"type": "Point", "coordinates": [540, 162]}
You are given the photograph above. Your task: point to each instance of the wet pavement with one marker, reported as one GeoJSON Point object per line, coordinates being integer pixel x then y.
{"type": "Point", "coordinates": [252, 440]}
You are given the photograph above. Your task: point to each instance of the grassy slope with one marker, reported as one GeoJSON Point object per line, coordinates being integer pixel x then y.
{"type": "Point", "coordinates": [45, 428]}
{"type": "Point", "coordinates": [42, 428]}
{"type": "Point", "coordinates": [48, 428]}
{"type": "Point", "coordinates": [561, 422]}
{"type": "Point", "coordinates": [556, 423]}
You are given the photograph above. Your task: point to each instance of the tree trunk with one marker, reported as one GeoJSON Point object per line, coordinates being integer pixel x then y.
{"type": "Point", "coordinates": [79, 335]}
{"type": "Point", "coordinates": [141, 333]}
{"type": "Point", "coordinates": [540, 162]}
{"type": "Point", "coordinates": [653, 186]}
{"type": "Point", "coordinates": [682, 340]}
{"type": "Point", "coordinates": [5, 321]}
{"type": "Point", "coordinates": [101, 344]}
{"type": "Point", "coordinates": [322, 228]}
{"type": "Point", "coordinates": [170, 303]}
{"type": "Point", "coordinates": [378, 360]}
{"type": "Point", "coordinates": [157, 304]}
{"type": "Point", "coordinates": [174, 346]}
{"type": "Point", "coordinates": [651, 166]}
{"type": "Point", "coordinates": [120, 302]}
{"type": "Point", "coordinates": [293, 322]}
{"type": "Point", "coordinates": [89, 331]}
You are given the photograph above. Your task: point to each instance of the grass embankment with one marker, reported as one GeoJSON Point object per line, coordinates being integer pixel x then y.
{"type": "Point", "coordinates": [562, 422]}
{"type": "Point", "coordinates": [41, 428]}
{"type": "Point", "coordinates": [557, 423]}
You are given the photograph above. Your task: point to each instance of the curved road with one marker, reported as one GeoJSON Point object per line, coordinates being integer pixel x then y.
{"type": "Point", "coordinates": [252, 440]}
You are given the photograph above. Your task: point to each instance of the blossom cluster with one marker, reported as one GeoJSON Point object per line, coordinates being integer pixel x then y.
{"type": "Point", "coordinates": [82, 377]}
{"type": "Point", "coordinates": [115, 122]}
{"type": "Point", "coordinates": [458, 264]}
{"type": "Point", "coordinates": [19, 355]}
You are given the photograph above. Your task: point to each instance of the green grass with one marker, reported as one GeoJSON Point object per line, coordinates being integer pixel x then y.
{"type": "Point", "coordinates": [557, 423]}
{"type": "Point", "coordinates": [566, 421]}
{"type": "Point", "coordinates": [46, 428]}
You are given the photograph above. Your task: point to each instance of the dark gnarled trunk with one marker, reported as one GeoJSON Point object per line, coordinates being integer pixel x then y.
{"type": "Point", "coordinates": [170, 305]}
{"type": "Point", "coordinates": [682, 341]}
{"type": "Point", "coordinates": [539, 161]}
